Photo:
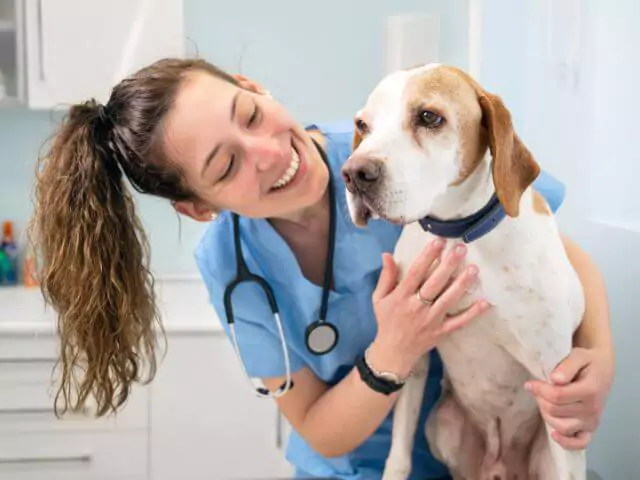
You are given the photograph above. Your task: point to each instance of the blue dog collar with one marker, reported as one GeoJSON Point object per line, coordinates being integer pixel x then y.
{"type": "Point", "coordinates": [468, 228]}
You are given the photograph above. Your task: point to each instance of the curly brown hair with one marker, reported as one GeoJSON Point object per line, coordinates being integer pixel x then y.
{"type": "Point", "coordinates": [94, 255]}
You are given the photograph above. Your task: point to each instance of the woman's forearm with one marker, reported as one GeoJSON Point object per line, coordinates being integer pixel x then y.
{"type": "Point", "coordinates": [595, 329]}
{"type": "Point", "coordinates": [345, 416]}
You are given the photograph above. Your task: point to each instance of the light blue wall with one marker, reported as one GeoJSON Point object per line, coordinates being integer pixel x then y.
{"type": "Point", "coordinates": [579, 118]}
{"type": "Point", "coordinates": [319, 61]}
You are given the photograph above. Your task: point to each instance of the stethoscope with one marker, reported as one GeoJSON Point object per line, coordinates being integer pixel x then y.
{"type": "Point", "coordinates": [321, 336]}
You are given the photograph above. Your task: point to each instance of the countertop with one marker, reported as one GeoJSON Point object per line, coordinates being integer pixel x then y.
{"type": "Point", "coordinates": [183, 301]}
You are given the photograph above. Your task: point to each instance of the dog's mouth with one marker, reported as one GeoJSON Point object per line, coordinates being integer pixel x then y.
{"type": "Point", "coordinates": [361, 211]}
{"type": "Point", "coordinates": [365, 209]}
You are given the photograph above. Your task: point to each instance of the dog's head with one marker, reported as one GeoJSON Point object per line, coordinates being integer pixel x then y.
{"type": "Point", "coordinates": [424, 131]}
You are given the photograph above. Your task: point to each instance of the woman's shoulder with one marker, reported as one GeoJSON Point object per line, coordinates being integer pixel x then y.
{"type": "Point", "coordinates": [337, 134]}
{"type": "Point", "coordinates": [552, 189]}
{"type": "Point", "coordinates": [337, 140]}
{"type": "Point", "coordinates": [337, 127]}
{"type": "Point", "coordinates": [214, 253]}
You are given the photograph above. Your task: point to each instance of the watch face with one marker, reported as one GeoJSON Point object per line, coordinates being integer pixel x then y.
{"type": "Point", "coordinates": [390, 377]}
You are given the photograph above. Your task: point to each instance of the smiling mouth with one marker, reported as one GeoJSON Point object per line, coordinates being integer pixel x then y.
{"type": "Point", "coordinates": [290, 173]}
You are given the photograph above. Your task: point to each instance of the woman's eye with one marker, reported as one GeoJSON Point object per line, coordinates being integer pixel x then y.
{"type": "Point", "coordinates": [430, 119]}
{"type": "Point", "coordinates": [254, 117]}
{"type": "Point", "coordinates": [228, 169]}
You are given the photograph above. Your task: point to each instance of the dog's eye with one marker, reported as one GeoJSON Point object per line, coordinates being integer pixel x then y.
{"type": "Point", "coordinates": [430, 119]}
{"type": "Point", "coordinates": [362, 126]}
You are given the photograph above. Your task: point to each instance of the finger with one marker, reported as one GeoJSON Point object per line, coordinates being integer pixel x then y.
{"type": "Point", "coordinates": [571, 366]}
{"type": "Point", "coordinates": [558, 395]}
{"type": "Point", "coordinates": [571, 410]}
{"type": "Point", "coordinates": [441, 276]}
{"type": "Point", "coordinates": [460, 320]}
{"type": "Point", "coordinates": [420, 267]}
{"type": "Point", "coordinates": [577, 442]}
{"type": "Point", "coordinates": [388, 278]}
{"type": "Point", "coordinates": [567, 427]}
{"type": "Point", "coordinates": [454, 292]}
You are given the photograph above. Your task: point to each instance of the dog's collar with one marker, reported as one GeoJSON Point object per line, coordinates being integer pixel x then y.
{"type": "Point", "coordinates": [468, 228]}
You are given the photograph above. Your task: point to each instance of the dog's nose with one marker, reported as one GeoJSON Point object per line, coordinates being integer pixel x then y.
{"type": "Point", "coordinates": [359, 173]}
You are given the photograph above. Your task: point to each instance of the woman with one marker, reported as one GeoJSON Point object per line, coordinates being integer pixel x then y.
{"type": "Point", "coordinates": [213, 145]}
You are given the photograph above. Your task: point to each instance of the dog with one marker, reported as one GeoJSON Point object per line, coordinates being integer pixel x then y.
{"type": "Point", "coordinates": [437, 153]}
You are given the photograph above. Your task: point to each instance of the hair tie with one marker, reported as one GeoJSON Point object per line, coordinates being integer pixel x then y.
{"type": "Point", "coordinates": [102, 137]}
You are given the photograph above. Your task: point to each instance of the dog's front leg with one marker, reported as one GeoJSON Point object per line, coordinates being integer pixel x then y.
{"type": "Point", "coordinates": [405, 420]}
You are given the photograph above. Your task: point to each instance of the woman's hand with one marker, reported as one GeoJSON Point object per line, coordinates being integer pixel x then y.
{"type": "Point", "coordinates": [573, 402]}
{"type": "Point", "coordinates": [411, 314]}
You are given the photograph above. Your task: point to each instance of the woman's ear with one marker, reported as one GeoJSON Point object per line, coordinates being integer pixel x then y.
{"type": "Point", "coordinates": [195, 210]}
{"type": "Point", "coordinates": [250, 85]}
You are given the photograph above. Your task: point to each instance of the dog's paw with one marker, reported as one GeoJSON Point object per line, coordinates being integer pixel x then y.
{"type": "Point", "coordinates": [396, 470]}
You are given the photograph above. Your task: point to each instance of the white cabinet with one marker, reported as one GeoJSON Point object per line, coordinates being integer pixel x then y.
{"type": "Point", "coordinates": [57, 52]}
{"type": "Point", "coordinates": [205, 422]}
{"type": "Point", "coordinates": [34, 444]}
{"type": "Point", "coordinates": [197, 420]}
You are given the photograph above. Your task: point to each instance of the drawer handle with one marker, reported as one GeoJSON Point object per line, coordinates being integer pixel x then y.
{"type": "Point", "coordinates": [29, 360]}
{"type": "Point", "coordinates": [85, 458]}
{"type": "Point", "coordinates": [279, 433]}
{"type": "Point", "coordinates": [40, 42]}
{"type": "Point", "coordinates": [35, 410]}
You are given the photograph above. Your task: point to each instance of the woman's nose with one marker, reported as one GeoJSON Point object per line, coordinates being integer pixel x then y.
{"type": "Point", "coordinates": [264, 152]}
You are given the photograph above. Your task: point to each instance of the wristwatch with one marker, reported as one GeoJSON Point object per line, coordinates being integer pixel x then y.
{"type": "Point", "coordinates": [382, 382]}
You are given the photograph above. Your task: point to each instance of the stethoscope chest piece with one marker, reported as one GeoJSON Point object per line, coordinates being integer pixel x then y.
{"type": "Point", "coordinates": [321, 337]}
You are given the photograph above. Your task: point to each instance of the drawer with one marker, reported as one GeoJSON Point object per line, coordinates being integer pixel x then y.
{"type": "Point", "coordinates": [21, 346]}
{"type": "Point", "coordinates": [29, 408]}
{"type": "Point", "coordinates": [27, 359]}
{"type": "Point", "coordinates": [74, 456]}
{"type": "Point", "coordinates": [28, 370]}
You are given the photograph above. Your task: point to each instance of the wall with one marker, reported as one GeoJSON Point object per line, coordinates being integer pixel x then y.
{"type": "Point", "coordinates": [567, 71]}
{"type": "Point", "coordinates": [319, 61]}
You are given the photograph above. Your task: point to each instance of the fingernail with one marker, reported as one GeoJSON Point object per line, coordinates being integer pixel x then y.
{"type": "Point", "coordinates": [473, 271]}
{"type": "Point", "coordinates": [558, 376]}
{"type": "Point", "coordinates": [460, 249]}
{"type": "Point", "coordinates": [527, 387]}
{"type": "Point", "coordinates": [438, 242]}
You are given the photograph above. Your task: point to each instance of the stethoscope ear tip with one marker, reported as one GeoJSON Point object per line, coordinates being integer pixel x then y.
{"type": "Point", "coordinates": [284, 388]}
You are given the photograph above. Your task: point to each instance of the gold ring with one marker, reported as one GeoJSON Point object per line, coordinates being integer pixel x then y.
{"type": "Point", "coordinates": [424, 301]}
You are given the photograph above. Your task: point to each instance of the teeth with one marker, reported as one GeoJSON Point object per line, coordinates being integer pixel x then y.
{"type": "Point", "coordinates": [291, 171]}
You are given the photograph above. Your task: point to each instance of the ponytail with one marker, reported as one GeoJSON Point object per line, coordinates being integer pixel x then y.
{"type": "Point", "coordinates": [94, 265]}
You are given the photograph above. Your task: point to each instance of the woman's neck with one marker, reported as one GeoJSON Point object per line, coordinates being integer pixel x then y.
{"type": "Point", "coordinates": [314, 218]}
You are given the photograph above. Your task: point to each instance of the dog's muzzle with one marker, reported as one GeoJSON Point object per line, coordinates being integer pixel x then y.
{"type": "Point", "coordinates": [361, 175]}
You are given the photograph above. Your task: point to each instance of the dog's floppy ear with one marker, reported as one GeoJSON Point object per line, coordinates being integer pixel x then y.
{"type": "Point", "coordinates": [514, 167]}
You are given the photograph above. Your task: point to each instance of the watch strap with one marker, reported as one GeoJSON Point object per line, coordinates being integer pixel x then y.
{"type": "Point", "coordinates": [378, 384]}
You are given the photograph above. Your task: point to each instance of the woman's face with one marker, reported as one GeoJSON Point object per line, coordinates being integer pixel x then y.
{"type": "Point", "coordinates": [241, 151]}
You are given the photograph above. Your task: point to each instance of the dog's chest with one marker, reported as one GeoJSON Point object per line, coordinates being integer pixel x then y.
{"type": "Point", "coordinates": [536, 305]}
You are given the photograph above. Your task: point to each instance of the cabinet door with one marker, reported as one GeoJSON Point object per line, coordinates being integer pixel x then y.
{"type": "Point", "coordinates": [11, 53]}
{"type": "Point", "coordinates": [205, 422]}
{"type": "Point", "coordinates": [79, 49]}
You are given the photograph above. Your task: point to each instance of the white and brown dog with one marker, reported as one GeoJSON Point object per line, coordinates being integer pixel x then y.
{"type": "Point", "coordinates": [437, 153]}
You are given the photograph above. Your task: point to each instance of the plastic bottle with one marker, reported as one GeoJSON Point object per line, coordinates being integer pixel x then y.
{"type": "Point", "coordinates": [29, 272]}
{"type": "Point", "coordinates": [10, 250]}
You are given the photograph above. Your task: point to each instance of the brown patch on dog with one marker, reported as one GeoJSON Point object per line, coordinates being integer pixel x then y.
{"type": "Point", "coordinates": [357, 140]}
{"type": "Point", "coordinates": [540, 205]}
{"type": "Point", "coordinates": [444, 92]}
{"type": "Point", "coordinates": [514, 167]}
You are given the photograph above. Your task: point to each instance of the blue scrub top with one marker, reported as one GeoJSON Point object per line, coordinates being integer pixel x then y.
{"type": "Point", "coordinates": [357, 264]}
